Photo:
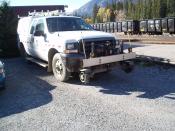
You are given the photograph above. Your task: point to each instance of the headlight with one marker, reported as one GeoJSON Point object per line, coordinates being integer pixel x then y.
{"type": "Point", "coordinates": [71, 48]}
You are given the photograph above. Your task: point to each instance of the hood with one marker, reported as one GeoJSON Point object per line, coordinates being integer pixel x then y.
{"type": "Point", "coordinates": [77, 35]}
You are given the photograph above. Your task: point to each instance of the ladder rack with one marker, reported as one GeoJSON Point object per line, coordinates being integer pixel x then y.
{"type": "Point", "coordinates": [48, 13]}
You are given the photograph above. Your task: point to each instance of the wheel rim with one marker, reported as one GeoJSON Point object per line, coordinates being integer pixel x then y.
{"type": "Point", "coordinates": [82, 77]}
{"type": "Point", "coordinates": [59, 67]}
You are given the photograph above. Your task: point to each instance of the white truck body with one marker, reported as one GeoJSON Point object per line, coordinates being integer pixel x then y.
{"type": "Point", "coordinates": [40, 39]}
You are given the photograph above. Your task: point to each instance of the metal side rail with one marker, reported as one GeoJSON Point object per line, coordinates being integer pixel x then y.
{"type": "Point", "coordinates": [39, 62]}
{"type": "Point", "coordinates": [108, 59]}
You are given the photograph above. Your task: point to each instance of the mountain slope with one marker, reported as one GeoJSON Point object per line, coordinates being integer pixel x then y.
{"type": "Point", "coordinates": [88, 7]}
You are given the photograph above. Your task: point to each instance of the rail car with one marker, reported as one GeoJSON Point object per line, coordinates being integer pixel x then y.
{"type": "Point", "coordinates": [156, 26]}
{"type": "Point", "coordinates": [171, 25]}
{"type": "Point", "coordinates": [124, 27]}
{"type": "Point", "coordinates": [119, 26]}
{"type": "Point", "coordinates": [115, 27]}
{"type": "Point", "coordinates": [144, 26]}
{"type": "Point", "coordinates": [151, 27]}
{"type": "Point", "coordinates": [108, 27]}
{"type": "Point", "coordinates": [112, 27]}
{"type": "Point", "coordinates": [165, 25]}
{"type": "Point", "coordinates": [133, 27]}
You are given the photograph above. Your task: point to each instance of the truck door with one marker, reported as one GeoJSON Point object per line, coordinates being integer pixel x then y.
{"type": "Point", "coordinates": [40, 43]}
{"type": "Point", "coordinates": [30, 39]}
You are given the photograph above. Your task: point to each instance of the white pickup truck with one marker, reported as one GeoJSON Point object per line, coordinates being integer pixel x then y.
{"type": "Point", "coordinates": [66, 45]}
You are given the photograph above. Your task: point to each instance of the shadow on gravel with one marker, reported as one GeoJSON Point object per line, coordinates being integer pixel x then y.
{"type": "Point", "coordinates": [147, 82]}
{"type": "Point", "coordinates": [25, 90]}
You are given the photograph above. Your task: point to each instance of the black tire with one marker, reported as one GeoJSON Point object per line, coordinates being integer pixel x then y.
{"type": "Point", "coordinates": [59, 70]}
{"type": "Point", "coordinates": [127, 67]}
{"type": "Point", "coordinates": [23, 51]}
{"type": "Point", "coordinates": [3, 87]}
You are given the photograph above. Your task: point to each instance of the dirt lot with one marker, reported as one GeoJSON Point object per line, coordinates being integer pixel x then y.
{"type": "Point", "coordinates": [34, 100]}
{"type": "Point", "coordinates": [157, 52]}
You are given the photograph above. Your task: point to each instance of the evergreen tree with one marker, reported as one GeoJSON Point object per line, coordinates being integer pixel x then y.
{"type": "Point", "coordinates": [119, 6]}
{"type": "Point", "coordinates": [145, 9]}
{"type": "Point", "coordinates": [163, 8]}
{"type": "Point", "coordinates": [141, 9]}
{"type": "Point", "coordinates": [170, 7]}
{"type": "Point", "coordinates": [157, 9]}
{"type": "Point", "coordinates": [95, 11]}
{"type": "Point", "coordinates": [8, 28]}
{"type": "Point", "coordinates": [130, 11]}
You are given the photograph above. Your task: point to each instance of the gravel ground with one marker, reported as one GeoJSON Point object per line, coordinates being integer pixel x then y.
{"type": "Point", "coordinates": [160, 52]}
{"type": "Point", "coordinates": [34, 100]}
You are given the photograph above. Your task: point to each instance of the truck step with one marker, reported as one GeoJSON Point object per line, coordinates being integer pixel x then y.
{"type": "Point", "coordinates": [39, 62]}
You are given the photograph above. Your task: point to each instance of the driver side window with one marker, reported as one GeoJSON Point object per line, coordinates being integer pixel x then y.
{"type": "Point", "coordinates": [39, 28]}
{"type": "Point", "coordinates": [33, 27]}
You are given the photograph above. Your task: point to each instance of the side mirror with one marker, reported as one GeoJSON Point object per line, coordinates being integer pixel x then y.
{"type": "Point", "coordinates": [39, 33]}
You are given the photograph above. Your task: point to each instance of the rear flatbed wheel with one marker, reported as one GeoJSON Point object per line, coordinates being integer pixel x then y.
{"type": "Point", "coordinates": [84, 77]}
{"type": "Point", "coordinates": [59, 70]}
{"type": "Point", "coordinates": [127, 66]}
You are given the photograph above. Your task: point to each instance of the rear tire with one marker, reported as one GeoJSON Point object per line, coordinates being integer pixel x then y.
{"type": "Point", "coordinates": [59, 70]}
{"type": "Point", "coordinates": [23, 51]}
{"type": "Point", "coordinates": [3, 87]}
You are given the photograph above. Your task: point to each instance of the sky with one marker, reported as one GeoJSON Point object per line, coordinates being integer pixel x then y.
{"type": "Point", "coordinates": [72, 4]}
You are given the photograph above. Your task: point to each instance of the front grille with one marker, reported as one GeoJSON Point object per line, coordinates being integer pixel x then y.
{"type": "Point", "coordinates": [97, 48]}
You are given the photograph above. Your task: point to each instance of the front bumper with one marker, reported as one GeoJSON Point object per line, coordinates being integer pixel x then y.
{"type": "Point", "coordinates": [76, 62]}
{"type": "Point", "coordinates": [107, 59]}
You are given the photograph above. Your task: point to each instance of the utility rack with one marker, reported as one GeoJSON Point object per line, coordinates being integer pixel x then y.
{"type": "Point", "coordinates": [48, 13]}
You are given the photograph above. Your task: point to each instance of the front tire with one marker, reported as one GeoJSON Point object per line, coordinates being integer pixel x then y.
{"type": "Point", "coordinates": [59, 69]}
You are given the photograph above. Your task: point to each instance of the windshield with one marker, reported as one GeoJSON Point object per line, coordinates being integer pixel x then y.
{"type": "Point", "coordinates": [66, 24]}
